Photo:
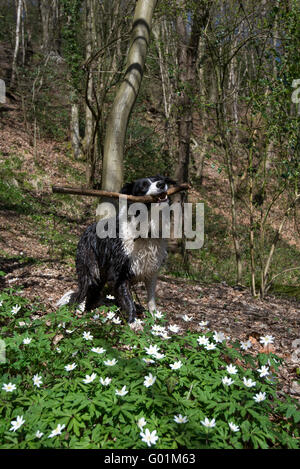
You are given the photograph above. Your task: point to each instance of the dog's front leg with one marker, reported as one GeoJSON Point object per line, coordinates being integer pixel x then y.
{"type": "Point", "coordinates": [125, 300]}
{"type": "Point", "coordinates": [150, 284]}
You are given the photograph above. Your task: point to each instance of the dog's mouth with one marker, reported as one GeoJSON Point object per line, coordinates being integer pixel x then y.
{"type": "Point", "coordinates": [162, 197]}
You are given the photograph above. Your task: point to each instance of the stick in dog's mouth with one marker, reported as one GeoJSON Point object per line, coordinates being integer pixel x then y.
{"type": "Point", "coordinates": [162, 197]}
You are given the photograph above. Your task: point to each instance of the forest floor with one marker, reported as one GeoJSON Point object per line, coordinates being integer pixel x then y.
{"type": "Point", "coordinates": [33, 261]}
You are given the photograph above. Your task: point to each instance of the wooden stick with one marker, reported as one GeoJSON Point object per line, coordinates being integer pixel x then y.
{"type": "Point", "coordinates": [97, 193]}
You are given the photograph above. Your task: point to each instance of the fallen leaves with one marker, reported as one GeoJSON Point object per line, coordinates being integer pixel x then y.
{"type": "Point", "coordinates": [262, 349]}
{"type": "Point", "coordinates": [57, 339]}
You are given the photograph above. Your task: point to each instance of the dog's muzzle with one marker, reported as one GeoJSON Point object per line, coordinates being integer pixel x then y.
{"type": "Point", "coordinates": [161, 198]}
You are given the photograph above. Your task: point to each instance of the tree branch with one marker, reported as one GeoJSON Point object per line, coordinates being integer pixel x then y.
{"type": "Point", "coordinates": [133, 198]}
{"type": "Point", "coordinates": [277, 275]}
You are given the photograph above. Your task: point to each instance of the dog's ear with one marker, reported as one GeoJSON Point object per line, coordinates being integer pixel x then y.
{"type": "Point", "coordinates": [127, 188]}
{"type": "Point", "coordinates": [167, 180]}
{"type": "Point", "coordinates": [171, 181]}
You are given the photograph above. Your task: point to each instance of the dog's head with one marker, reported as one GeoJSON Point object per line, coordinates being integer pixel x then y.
{"type": "Point", "coordinates": [155, 185]}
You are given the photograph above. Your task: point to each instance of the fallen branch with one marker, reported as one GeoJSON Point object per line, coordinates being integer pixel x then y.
{"type": "Point", "coordinates": [268, 286]}
{"type": "Point", "coordinates": [133, 198]}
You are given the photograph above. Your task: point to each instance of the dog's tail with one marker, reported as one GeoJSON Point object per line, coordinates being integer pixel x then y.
{"type": "Point", "coordinates": [65, 299]}
{"type": "Point", "coordinates": [72, 297]}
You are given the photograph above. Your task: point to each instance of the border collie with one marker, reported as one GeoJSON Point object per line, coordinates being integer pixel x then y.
{"type": "Point", "coordinates": [121, 261]}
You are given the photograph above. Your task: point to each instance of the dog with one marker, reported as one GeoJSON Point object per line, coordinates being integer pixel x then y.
{"type": "Point", "coordinates": [121, 261]}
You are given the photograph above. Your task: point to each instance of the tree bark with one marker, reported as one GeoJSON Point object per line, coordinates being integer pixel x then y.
{"type": "Point", "coordinates": [17, 42]}
{"type": "Point", "coordinates": [116, 195]}
{"type": "Point", "coordinates": [251, 220]}
{"type": "Point", "coordinates": [188, 46]}
{"type": "Point", "coordinates": [50, 17]}
{"type": "Point", "coordinates": [45, 7]}
{"type": "Point", "coordinates": [89, 140]}
{"type": "Point", "coordinates": [187, 60]}
{"type": "Point", "coordinates": [234, 223]}
{"type": "Point", "coordinates": [112, 172]}
{"type": "Point", "coordinates": [75, 136]}
{"type": "Point", "coordinates": [184, 117]}
{"type": "Point", "coordinates": [166, 49]}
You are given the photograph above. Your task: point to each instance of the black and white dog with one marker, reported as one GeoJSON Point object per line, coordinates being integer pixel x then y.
{"type": "Point", "coordinates": [123, 260]}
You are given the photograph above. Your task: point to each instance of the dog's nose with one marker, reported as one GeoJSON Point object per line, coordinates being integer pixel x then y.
{"type": "Point", "coordinates": [160, 185]}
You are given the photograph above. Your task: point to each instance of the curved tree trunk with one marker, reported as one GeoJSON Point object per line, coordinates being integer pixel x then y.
{"type": "Point", "coordinates": [112, 173]}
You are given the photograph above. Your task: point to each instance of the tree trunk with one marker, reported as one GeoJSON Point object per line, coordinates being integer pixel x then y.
{"type": "Point", "coordinates": [51, 31]}
{"type": "Point", "coordinates": [45, 7]}
{"type": "Point", "coordinates": [75, 136]}
{"type": "Point", "coordinates": [184, 108]}
{"type": "Point", "coordinates": [112, 173]}
{"type": "Point", "coordinates": [166, 50]}
{"type": "Point", "coordinates": [234, 224]}
{"type": "Point", "coordinates": [17, 42]}
{"type": "Point", "coordinates": [23, 33]}
{"type": "Point", "coordinates": [88, 143]}
{"type": "Point", "coordinates": [188, 46]}
{"type": "Point", "coordinates": [251, 220]}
